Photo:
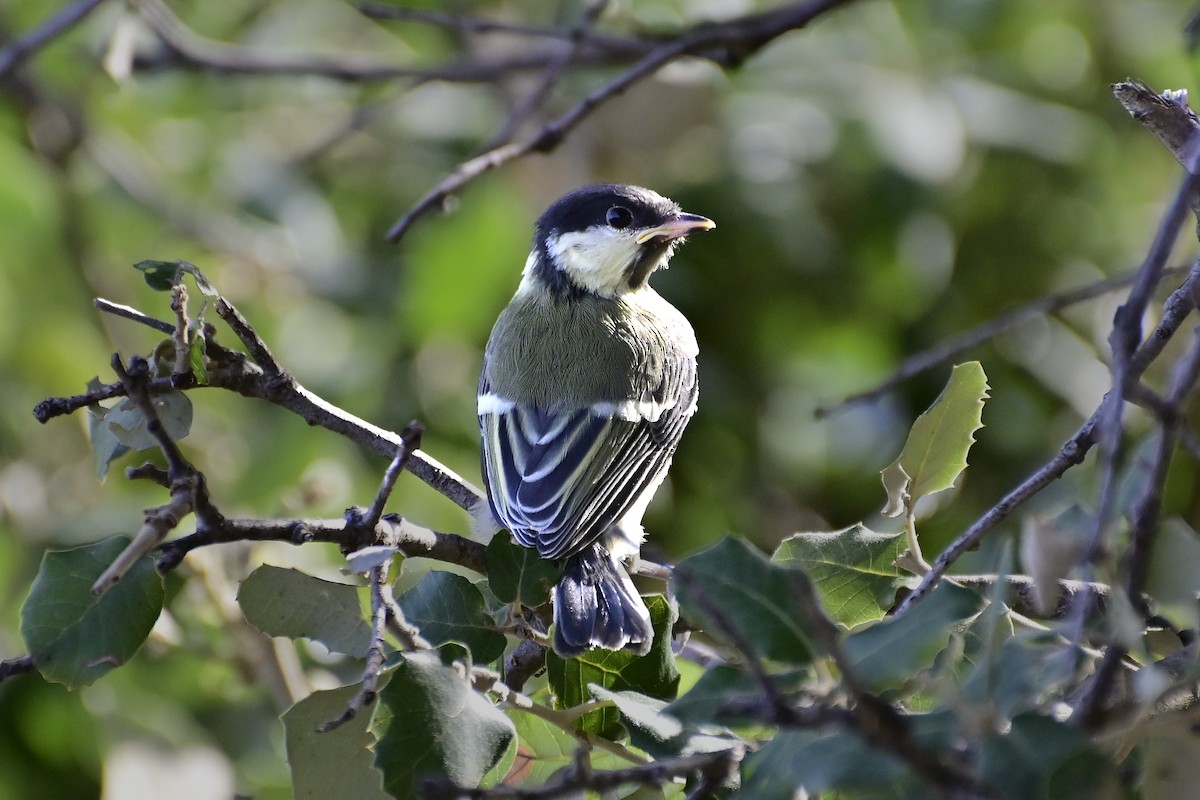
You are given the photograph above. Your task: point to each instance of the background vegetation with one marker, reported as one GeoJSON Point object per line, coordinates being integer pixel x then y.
{"type": "Point", "coordinates": [882, 179]}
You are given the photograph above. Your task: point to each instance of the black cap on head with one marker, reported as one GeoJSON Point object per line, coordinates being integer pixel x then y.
{"type": "Point", "coordinates": [589, 205]}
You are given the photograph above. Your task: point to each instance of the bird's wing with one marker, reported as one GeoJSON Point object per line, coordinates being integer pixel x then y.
{"type": "Point", "coordinates": [559, 479]}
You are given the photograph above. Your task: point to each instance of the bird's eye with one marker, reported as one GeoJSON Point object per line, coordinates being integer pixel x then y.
{"type": "Point", "coordinates": [619, 217]}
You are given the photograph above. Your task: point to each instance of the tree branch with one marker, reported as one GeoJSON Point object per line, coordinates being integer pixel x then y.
{"type": "Point", "coordinates": [1178, 305]}
{"type": "Point", "coordinates": [969, 339]}
{"type": "Point", "coordinates": [19, 50]}
{"type": "Point", "coordinates": [726, 43]}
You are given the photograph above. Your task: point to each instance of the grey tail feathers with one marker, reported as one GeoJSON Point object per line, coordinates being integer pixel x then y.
{"type": "Point", "coordinates": [596, 605]}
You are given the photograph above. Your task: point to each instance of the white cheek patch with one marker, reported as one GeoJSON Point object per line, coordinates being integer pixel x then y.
{"type": "Point", "coordinates": [596, 259]}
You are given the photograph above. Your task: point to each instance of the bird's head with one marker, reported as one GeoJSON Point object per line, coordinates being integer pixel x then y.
{"type": "Point", "coordinates": [606, 239]}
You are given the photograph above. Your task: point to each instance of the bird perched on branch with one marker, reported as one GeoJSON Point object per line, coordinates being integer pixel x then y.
{"type": "Point", "coordinates": [588, 381]}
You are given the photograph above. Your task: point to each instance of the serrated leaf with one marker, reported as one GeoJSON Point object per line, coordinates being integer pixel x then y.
{"type": "Point", "coordinates": [935, 453]}
{"type": "Point", "coordinates": [816, 762]}
{"type": "Point", "coordinates": [755, 597]}
{"type": "Point", "coordinates": [1174, 575]}
{"type": "Point", "coordinates": [336, 763]}
{"type": "Point", "coordinates": [287, 602]}
{"type": "Point", "coordinates": [518, 574]}
{"type": "Point", "coordinates": [75, 637]}
{"type": "Point", "coordinates": [653, 674]}
{"type": "Point", "coordinates": [435, 725]}
{"type": "Point", "coordinates": [160, 275]}
{"type": "Point", "coordinates": [128, 424]}
{"type": "Point", "coordinates": [449, 608]}
{"type": "Point", "coordinates": [891, 651]}
{"type": "Point", "coordinates": [1036, 753]}
{"type": "Point", "coordinates": [853, 570]}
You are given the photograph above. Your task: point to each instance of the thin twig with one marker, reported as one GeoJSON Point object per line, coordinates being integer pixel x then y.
{"type": "Point", "coordinates": [967, 340]}
{"type": "Point", "coordinates": [1145, 521]}
{"type": "Point", "coordinates": [21, 665]}
{"type": "Point", "coordinates": [574, 781]}
{"type": "Point", "coordinates": [728, 43]}
{"type": "Point", "coordinates": [18, 51]}
{"type": "Point", "coordinates": [410, 440]}
{"type": "Point", "coordinates": [550, 78]}
{"type": "Point", "coordinates": [376, 653]}
{"type": "Point", "coordinates": [185, 481]}
{"type": "Point", "coordinates": [467, 24]}
{"type": "Point", "coordinates": [412, 540]}
{"type": "Point", "coordinates": [188, 50]}
{"type": "Point", "coordinates": [116, 309]}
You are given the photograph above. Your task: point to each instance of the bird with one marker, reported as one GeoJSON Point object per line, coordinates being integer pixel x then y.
{"type": "Point", "coordinates": [588, 381]}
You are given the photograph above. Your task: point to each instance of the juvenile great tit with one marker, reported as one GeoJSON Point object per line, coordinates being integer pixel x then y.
{"type": "Point", "coordinates": [588, 381]}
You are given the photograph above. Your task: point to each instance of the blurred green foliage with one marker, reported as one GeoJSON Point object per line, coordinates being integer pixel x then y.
{"type": "Point", "coordinates": [886, 178]}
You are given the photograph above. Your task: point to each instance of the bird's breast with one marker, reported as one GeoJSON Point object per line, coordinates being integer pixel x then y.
{"type": "Point", "coordinates": [553, 353]}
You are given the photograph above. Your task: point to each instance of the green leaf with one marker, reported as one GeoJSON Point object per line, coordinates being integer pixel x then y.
{"type": "Point", "coordinates": [106, 447]}
{"type": "Point", "coordinates": [1038, 752]}
{"type": "Point", "coordinates": [128, 424]}
{"type": "Point", "coordinates": [653, 674]}
{"type": "Point", "coordinates": [160, 275]}
{"type": "Point", "coordinates": [935, 453]}
{"type": "Point", "coordinates": [544, 749]}
{"type": "Point", "coordinates": [816, 762]}
{"type": "Point", "coordinates": [853, 570]}
{"type": "Point", "coordinates": [1174, 575]}
{"type": "Point", "coordinates": [754, 596]}
{"type": "Point", "coordinates": [287, 602]}
{"type": "Point", "coordinates": [518, 574]}
{"type": "Point", "coordinates": [205, 286]}
{"type": "Point", "coordinates": [891, 651]}
{"type": "Point", "coordinates": [657, 732]}
{"type": "Point", "coordinates": [720, 688]}
{"type": "Point", "coordinates": [196, 359]}
{"type": "Point", "coordinates": [433, 724]}
{"type": "Point", "coordinates": [337, 763]}
{"type": "Point", "coordinates": [449, 608]}
{"type": "Point", "coordinates": [75, 637]}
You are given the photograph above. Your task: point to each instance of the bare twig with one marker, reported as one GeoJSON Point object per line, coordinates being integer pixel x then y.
{"type": "Point", "coordinates": [17, 51]}
{"type": "Point", "coordinates": [185, 481]}
{"type": "Point", "coordinates": [574, 781]}
{"type": "Point", "coordinates": [265, 379]}
{"type": "Point", "coordinates": [1145, 519]}
{"type": "Point", "coordinates": [727, 43]}
{"type": "Point", "coordinates": [21, 665]}
{"type": "Point", "coordinates": [550, 78]}
{"type": "Point", "coordinates": [412, 540]}
{"type": "Point", "coordinates": [410, 440]}
{"type": "Point", "coordinates": [376, 653]}
{"type": "Point", "coordinates": [116, 309]}
{"type": "Point", "coordinates": [467, 24]}
{"type": "Point", "coordinates": [408, 634]}
{"type": "Point", "coordinates": [188, 50]}
{"type": "Point", "coordinates": [525, 661]}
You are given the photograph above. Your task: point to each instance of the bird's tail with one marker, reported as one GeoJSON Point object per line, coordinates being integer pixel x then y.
{"type": "Point", "coordinates": [596, 605]}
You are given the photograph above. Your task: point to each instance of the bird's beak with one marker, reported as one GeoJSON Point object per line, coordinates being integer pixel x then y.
{"type": "Point", "coordinates": [677, 228]}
